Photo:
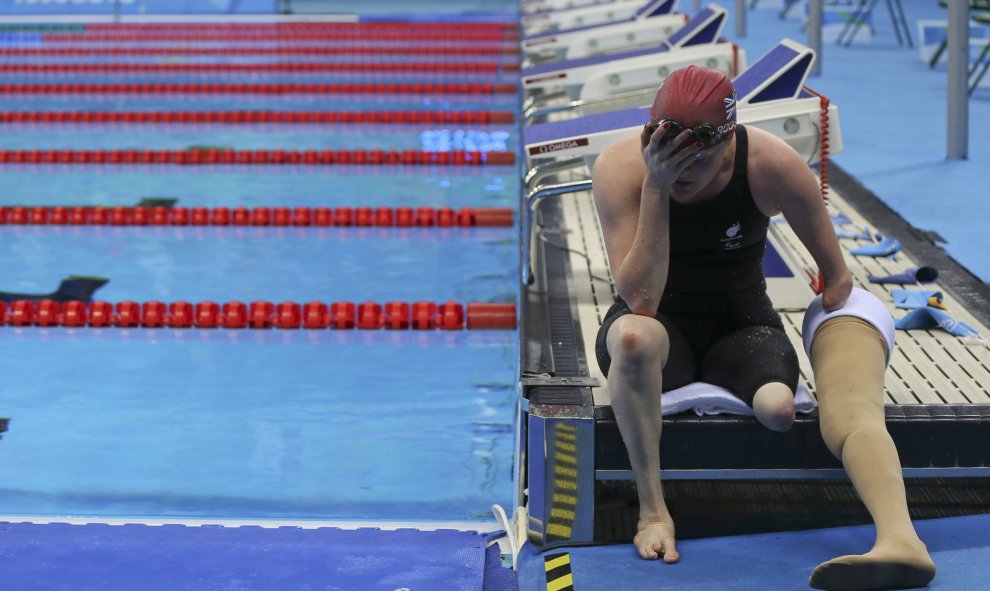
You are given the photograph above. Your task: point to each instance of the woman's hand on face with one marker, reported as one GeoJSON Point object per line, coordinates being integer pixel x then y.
{"type": "Point", "coordinates": [665, 161]}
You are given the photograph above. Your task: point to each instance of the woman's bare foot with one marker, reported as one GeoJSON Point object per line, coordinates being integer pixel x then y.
{"type": "Point", "coordinates": [655, 539]}
{"type": "Point", "coordinates": [887, 566]}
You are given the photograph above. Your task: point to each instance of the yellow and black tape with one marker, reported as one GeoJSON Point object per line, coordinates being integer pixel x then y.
{"type": "Point", "coordinates": [564, 483]}
{"type": "Point", "coordinates": [558, 567]}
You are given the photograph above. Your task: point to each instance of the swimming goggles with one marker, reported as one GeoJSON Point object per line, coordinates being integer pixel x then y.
{"type": "Point", "coordinates": [706, 133]}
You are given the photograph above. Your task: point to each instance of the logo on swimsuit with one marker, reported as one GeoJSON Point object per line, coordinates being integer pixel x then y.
{"type": "Point", "coordinates": [733, 239]}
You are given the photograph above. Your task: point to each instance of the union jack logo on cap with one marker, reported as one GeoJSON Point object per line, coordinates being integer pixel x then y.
{"type": "Point", "coordinates": [729, 103]}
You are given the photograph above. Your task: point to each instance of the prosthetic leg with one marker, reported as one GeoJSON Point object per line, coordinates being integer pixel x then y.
{"type": "Point", "coordinates": [849, 351]}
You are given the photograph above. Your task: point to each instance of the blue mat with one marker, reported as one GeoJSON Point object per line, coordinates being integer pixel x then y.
{"type": "Point", "coordinates": [960, 547]}
{"type": "Point", "coordinates": [174, 557]}
{"type": "Point", "coordinates": [774, 265]}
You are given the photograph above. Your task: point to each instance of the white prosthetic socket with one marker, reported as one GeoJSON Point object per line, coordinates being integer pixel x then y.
{"type": "Point", "coordinates": [861, 304]}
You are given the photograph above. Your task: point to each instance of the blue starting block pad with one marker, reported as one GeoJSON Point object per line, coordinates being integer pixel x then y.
{"type": "Point", "coordinates": [247, 558]}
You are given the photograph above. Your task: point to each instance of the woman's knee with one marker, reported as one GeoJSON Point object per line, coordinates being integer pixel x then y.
{"type": "Point", "coordinates": [837, 428]}
{"type": "Point", "coordinates": [773, 405]}
{"type": "Point", "coordinates": [638, 339]}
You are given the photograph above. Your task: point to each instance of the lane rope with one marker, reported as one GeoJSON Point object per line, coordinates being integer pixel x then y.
{"type": "Point", "coordinates": [399, 25]}
{"type": "Point", "coordinates": [350, 49]}
{"type": "Point", "coordinates": [461, 67]}
{"type": "Point", "coordinates": [401, 217]}
{"type": "Point", "coordinates": [315, 315]}
{"type": "Point", "coordinates": [217, 156]}
{"type": "Point", "coordinates": [283, 37]}
{"type": "Point", "coordinates": [359, 117]}
{"type": "Point", "coordinates": [472, 88]}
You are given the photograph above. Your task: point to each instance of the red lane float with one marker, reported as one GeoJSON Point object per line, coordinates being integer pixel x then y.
{"type": "Point", "coordinates": [286, 37]}
{"type": "Point", "coordinates": [349, 49]}
{"type": "Point", "coordinates": [472, 88]}
{"type": "Point", "coordinates": [211, 27]}
{"type": "Point", "coordinates": [299, 157]}
{"type": "Point", "coordinates": [313, 315]}
{"type": "Point", "coordinates": [281, 31]}
{"type": "Point", "coordinates": [241, 117]}
{"type": "Point", "coordinates": [460, 67]}
{"type": "Point", "coordinates": [423, 217]}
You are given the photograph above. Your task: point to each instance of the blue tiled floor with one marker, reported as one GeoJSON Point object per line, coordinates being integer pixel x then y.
{"type": "Point", "coordinates": [893, 111]}
{"type": "Point", "coordinates": [960, 547]}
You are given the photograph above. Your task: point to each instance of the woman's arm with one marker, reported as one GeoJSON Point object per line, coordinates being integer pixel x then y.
{"type": "Point", "coordinates": [782, 182]}
{"type": "Point", "coordinates": [631, 182]}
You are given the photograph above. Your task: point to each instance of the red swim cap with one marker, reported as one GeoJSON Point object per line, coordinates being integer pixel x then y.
{"type": "Point", "coordinates": [694, 95]}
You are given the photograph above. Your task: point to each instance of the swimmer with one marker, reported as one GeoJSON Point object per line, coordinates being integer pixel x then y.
{"type": "Point", "coordinates": [684, 208]}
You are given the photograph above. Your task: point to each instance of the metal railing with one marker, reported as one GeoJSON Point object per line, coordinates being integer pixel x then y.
{"type": "Point", "coordinates": [533, 200]}
{"type": "Point", "coordinates": [534, 109]}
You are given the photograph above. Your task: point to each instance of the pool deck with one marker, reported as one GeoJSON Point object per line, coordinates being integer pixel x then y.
{"type": "Point", "coordinates": [937, 387]}
{"type": "Point", "coordinates": [928, 366]}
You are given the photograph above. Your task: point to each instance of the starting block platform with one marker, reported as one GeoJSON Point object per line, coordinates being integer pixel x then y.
{"type": "Point", "coordinates": [651, 24]}
{"type": "Point", "coordinates": [698, 42]}
{"type": "Point", "coordinates": [551, 18]}
{"type": "Point", "coordinates": [770, 94]}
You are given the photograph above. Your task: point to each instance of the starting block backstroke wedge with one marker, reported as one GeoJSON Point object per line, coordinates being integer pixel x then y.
{"type": "Point", "coordinates": [653, 23]}
{"type": "Point", "coordinates": [770, 95]}
{"type": "Point", "coordinates": [698, 42]}
{"type": "Point", "coordinates": [591, 14]}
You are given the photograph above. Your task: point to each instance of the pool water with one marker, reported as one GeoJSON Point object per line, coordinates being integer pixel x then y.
{"type": "Point", "coordinates": [245, 263]}
{"type": "Point", "coordinates": [47, 136]}
{"type": "Point", "coordinates": [255, 186]}
{"type": "Point", "coordinates": [260, 424]}
{"type": "Point", "coordinates": [257, 424]}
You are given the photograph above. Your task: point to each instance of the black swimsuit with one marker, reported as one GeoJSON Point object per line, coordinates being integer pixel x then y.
{"type": "Point", "coordinates": [722, 326]}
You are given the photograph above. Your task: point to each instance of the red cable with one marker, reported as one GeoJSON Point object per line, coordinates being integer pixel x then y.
{"type": "Point", "coordinates": [823, 125]}
{"type": "Point", "coordinates": [818, 282]}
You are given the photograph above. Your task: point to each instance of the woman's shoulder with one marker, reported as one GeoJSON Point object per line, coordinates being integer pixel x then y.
{"type": "Point", "coordinates": [767, 149]}
{"type": "Point", "coordinates": [776, 171]}
{"type": "Point", "coordinates": [617, 176]}
{"type": "Point", "coordinates": [621, 158]}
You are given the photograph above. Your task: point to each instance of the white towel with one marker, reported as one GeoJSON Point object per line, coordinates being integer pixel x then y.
{"type": "Point", "coordinates": [708, 399]}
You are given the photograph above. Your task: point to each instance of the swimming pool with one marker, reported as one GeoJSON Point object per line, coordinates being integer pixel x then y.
{"type": "Point", "coordinates": [259, 424]}
{"type": "Point", "coordinates": [260, 186]}
{"type": "Point", "coordinates": [274, 264]}
{"type": "Point", "coordinates": [253, 137]}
